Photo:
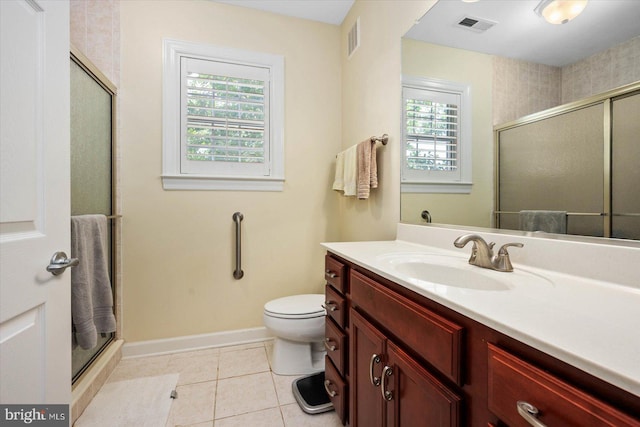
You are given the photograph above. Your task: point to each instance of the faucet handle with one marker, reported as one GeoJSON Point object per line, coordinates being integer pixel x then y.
{"type": "Point", "coordinates": [501, 261]}
{"type": "Point", "coordinates": [503, 248]}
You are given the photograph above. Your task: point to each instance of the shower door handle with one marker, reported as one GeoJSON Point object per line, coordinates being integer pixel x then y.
{"type": "Point", "coordinates": [59, 263]}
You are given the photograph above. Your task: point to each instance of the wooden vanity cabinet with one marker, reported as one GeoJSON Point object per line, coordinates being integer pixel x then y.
{"type": "Point", "coordinates": [336, 335]}
{"type": "Point", "coordinates": [446, 369]}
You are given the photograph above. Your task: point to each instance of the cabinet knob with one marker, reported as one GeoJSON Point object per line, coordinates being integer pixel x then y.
{"type": "Point", "coordinates": [328, 346]}
{"type": "Point", "coordinates": [375, 381]}
{"type": "Point", "coordinates": [529, 413]}
{"type": "Point", "coordinates": [331, 393]}
{"type": "Point", "coordinates": [330, 306]}
{"type": "Point", "coordinates": [386, 394]}
{"type": "Point", "coordinates": [330, 274]}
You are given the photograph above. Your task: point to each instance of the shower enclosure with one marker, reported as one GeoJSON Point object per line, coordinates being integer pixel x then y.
{"type": "Point", "coordinates": [581, 158]}
{"type": "Point", "coordinates": [92, 168]}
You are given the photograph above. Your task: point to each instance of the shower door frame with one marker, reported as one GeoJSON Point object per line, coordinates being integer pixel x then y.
{"type": "Point", "coordinates": [114, 218]}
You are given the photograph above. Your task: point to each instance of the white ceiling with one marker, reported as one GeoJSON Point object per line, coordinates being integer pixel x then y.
{"type": "Point", "coordinates": [520, 33]}
{"type": "Point", "coordinates": [328, 11]}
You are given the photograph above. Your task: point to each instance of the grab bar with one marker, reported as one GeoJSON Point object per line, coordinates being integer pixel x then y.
{"type": "Point", "coordinates": [238, 273]}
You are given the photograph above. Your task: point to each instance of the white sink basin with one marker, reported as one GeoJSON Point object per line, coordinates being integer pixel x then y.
{"type": "Point", "coordinates": [456, 272]}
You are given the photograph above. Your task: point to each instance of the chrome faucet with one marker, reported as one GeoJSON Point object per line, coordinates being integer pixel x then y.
{"type": "Point", "coordinates": [482, 253]}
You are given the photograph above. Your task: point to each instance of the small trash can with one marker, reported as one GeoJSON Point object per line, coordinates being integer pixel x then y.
{"type": "Point", "coordinates": [311, 395]}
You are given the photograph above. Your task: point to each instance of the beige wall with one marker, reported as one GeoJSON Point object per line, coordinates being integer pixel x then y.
{"type": "Point", "coordinates": [371, 105]}
{"type": "Point", "coordinates": [474, 69]}
{"type": "Point", "coordinates": [178, 245]}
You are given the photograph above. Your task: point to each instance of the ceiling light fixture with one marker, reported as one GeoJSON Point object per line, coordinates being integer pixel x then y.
{"type": "Point", "coordinates": [560, 11]}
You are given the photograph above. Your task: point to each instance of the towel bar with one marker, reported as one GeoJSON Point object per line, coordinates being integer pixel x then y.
{"type": "Point", "coordinates": [383, 139]}
{"type": "Point", "coordinates": [568, 213]}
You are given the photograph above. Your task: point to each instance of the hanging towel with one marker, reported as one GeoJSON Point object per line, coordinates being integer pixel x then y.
{"type": "Point", "coordinates": [549, 221]}
{"type": "Point", "coordinates": [346, 171]}
{"type": "Point", "coordinates": [338, 181]}
{"type": "Point", "coordinates": [367, 168]}
{"type": "Point", "coordinates": [91, 295]}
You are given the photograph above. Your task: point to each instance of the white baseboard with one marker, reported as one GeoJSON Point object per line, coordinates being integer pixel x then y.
{"type": "Point", "coordinates": [195, 342]}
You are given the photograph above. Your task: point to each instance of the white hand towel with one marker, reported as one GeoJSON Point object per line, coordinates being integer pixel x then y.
{"type": "Point", "coordinates": [350, 171]}
{"type": "Point", "coordinates": [338, 181]}
{"type": "Point", "coordinates": [346, 176]}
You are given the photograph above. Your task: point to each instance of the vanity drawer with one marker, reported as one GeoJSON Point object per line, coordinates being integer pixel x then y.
{"type": "Point", "coordinates": [337, 389]}
{"type": "Point", "coordinates": [336, 306]}
{"type": "Point", "coordinates": [512, 380]}
{"type": "Point", "coordinates": [335, 342]}
{"type": "Point", "coordinates": [334, 273]}
{"type": "Point", "coordinates": [431, 336]}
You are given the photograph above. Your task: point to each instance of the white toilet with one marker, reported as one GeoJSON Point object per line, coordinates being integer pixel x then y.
{"type": "Point", "coordinates": [297, 322]}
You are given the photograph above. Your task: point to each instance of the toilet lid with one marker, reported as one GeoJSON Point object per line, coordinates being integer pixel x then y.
{"type": "Point", "coordinates": [309, 305]}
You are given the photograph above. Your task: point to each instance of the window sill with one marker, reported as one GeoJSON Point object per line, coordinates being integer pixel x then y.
{"type": "Point", "coordinates": [436, 187]}
{"type": "Point", "coordinates": [202, 182]}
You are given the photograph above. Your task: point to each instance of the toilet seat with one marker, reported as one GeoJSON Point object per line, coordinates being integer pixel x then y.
{"type": "Point", "coordinates": [296, 307]}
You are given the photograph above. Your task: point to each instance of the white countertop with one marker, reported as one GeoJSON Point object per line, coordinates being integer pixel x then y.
{"type": "Point", "coordinates": [593, 325]}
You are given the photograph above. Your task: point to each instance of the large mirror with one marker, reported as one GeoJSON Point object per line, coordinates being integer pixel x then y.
{"type": "Point", "coordinates": [516, 64]}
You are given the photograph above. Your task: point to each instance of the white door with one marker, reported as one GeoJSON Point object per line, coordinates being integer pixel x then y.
{"type": "Point", "coordinates": [35, 306]}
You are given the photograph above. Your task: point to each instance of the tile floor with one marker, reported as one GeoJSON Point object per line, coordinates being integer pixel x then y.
{"type": "Point", "coordinates": [226, 387]}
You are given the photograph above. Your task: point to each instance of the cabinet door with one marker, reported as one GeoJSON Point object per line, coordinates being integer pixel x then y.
{"type": "Point", "coordinates": [366, 342]}
{"type": "Point", "coordinates": [413, 396]}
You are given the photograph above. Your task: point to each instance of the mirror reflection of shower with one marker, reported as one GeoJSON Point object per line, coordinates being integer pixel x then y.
{"type": "Point", "coordinates": [93, 212]}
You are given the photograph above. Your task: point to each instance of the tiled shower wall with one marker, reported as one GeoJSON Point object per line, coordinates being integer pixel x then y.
{"type": "Point", "coordinates": [521, 88]}
{"type": "Point", "coordinates": [95, 31]}
{"type": "Point", "coordinates": [609, 69]}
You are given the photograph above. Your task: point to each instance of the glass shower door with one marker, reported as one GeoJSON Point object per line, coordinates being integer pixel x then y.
{"type": "Point", "coordinates": [92, 103]}
{"type": "Point", "coordinates": [625, 169]}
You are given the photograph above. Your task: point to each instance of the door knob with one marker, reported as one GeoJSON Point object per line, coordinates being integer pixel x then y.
{"type": "Point", "coordinates": [60, 262]}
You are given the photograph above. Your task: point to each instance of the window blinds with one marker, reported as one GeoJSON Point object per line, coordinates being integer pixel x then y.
{"type": "Point", "coordinates": [225, 116]}
{"type": "Point", "coordinates": [431, 130]}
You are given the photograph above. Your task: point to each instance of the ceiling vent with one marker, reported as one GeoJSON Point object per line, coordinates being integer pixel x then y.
{"type": "Point", "coordinates": [476, 24]}
{"type": "Point", "coordinates": [353, 41]}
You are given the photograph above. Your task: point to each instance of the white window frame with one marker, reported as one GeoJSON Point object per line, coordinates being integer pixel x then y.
{"type": "Point", "coordinates": [270, 178]}
{"type": "Point", "coordinates": [412, 181]}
